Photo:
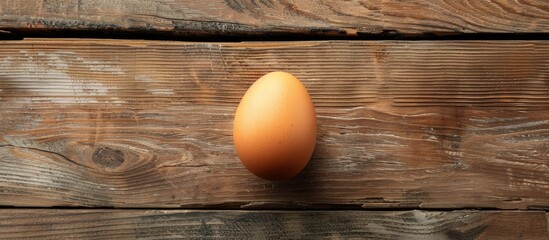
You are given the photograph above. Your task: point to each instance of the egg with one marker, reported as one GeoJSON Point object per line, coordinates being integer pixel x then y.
{"type": "Point", "coordinates": [275, 128]}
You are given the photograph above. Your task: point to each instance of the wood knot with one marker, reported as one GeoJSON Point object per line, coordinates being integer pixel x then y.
{"type": "Point", "coordinates": [108, 157]}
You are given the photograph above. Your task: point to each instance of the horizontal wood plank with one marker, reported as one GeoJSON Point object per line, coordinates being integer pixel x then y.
{"type": "Point", "coordinates": [189, 224]}
{"type": "Point", "coordinates": [412, 124]}
{"type": "Point", "coordinates": [250, 17]}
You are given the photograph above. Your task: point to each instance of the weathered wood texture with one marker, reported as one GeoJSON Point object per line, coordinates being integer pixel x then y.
{"type": "Point", "coordinates": [250, 17]}
{"type": "Point", "coordinates": [422, 124]}
{"type": "Point", "coordinates": [155, 224]}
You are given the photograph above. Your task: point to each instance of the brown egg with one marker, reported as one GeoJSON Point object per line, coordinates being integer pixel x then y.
{"type": "Point", "coordinates": [275, 127]}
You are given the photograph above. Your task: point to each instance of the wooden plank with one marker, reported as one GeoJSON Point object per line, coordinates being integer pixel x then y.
{"type": "Point", "coordinates": [447, 124]}
{"type": "Point", "coordinates": [250, 17]}
{"type": "Point", "coordinates": [192, 224]}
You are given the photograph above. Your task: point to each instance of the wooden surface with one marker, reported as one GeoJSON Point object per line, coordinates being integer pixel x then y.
{"type": "Point", "coordinates": [250, 17]}
{"type": "Point", "coordinates": [155, 224]}
{"type": "Point", "coordinates": [423, 124]}
{"type": "Point", "coordinates": [413, 135]}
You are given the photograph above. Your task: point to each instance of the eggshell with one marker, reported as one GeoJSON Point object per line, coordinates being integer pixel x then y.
{"type": "Point", "coordinates": [275, 127]}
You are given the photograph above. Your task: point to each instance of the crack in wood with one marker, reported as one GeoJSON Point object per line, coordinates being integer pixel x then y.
{"type": "Point", "coordinates": [49, 152]}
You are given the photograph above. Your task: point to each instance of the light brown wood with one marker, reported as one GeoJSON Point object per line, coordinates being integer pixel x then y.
{"type": "Point", "coordinates": [446, 124]}
{"type": "Point", "coordinates": [155, 224]}
{"type": "Point", "coordinates": [251, 17]}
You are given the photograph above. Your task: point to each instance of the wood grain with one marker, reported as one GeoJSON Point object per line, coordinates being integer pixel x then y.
{"type": "Point", "coordinates": [250, 17]}
{"type": "Point", "coordinates": [444, 124]}
{"type": "Point", "coordinates": [188, 224]}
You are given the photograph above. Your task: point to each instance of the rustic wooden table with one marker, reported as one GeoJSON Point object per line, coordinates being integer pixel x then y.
{"type": "Point", "coordinates": [433, 119]}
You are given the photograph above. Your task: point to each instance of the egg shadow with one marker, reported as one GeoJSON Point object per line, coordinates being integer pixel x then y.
{"type": "Point", "coordinates": [305, 190]}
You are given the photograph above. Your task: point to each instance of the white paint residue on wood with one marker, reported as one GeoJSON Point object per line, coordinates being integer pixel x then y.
{"type": "Point", "coordinates": [48, 77]}
{"type": "Point", "coordinates": [101, 66]}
